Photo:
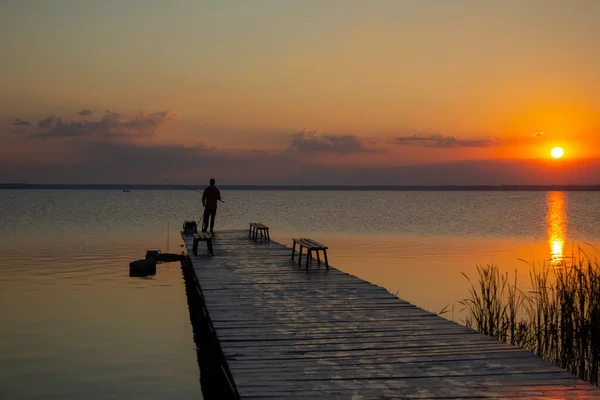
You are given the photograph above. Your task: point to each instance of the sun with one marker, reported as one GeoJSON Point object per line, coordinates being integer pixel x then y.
{"type": "Point", "coordinates": [557, 152]}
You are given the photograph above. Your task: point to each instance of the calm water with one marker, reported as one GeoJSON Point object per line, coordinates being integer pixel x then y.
{"type": "Point", "coordinates": [75, 325]}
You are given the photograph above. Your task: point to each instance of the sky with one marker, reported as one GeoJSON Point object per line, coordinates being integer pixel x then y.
{"type": "Point", "coordinates": [399, 92]}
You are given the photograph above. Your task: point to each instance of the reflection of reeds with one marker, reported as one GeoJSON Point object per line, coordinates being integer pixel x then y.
{"type": "Point", "coordinates": [559, 320]}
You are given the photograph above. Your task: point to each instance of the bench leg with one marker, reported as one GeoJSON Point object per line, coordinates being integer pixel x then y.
{"type": "Point", "coordinates": [308, 257]}
{"type": "Point", "coordinates": [300, 254]}
{"type": "Point", "coordinates": [268, 236]}
{"type": "Point", "coordinates": [210, 247]}
{"type": "Point", "coordinates": [326, 262]}
{"type": "Point", "coordinates": [250, 232]}
{"type": "Point", "coordinates": [318, 258]}
{"type": "Point", "coordinates": [293, 250]}
{"type": "Point", "coordinates": [195, 247]}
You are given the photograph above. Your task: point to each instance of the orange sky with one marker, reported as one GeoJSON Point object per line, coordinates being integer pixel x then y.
{"type": "Point", "coordinates": [334, 83]}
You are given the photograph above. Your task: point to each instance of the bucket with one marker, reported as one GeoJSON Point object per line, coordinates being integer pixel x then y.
{"type": "Point", "coordinates": [154, 254]}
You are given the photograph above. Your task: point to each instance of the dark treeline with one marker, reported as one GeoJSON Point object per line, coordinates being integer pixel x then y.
{"type": "Point", "coordinates": [542, 188]}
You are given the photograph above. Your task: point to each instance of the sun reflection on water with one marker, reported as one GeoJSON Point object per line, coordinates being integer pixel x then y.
{"type": "Point", "coordinates": [556, 220]}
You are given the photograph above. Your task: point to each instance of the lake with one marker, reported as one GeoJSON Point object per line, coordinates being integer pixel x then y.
{"type": "Point", "coordinates": [75, 324]}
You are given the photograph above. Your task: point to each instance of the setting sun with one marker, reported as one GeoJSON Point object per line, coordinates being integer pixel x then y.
{"type": "Point", "coordinates": [557, 152]}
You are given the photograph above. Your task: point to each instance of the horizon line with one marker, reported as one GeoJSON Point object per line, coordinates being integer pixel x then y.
{"type": "Point", "coordinates": [177, 186]}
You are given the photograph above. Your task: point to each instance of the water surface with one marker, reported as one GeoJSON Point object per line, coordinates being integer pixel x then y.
{"type": "Point", "coordinates": [75, 325]}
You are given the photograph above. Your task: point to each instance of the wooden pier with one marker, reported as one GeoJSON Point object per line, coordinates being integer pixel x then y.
{"type": "Point", "coordinates": [323, 334]}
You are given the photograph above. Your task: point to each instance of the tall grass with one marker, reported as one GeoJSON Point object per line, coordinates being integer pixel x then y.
{"type": "Point", "coordinates": [559, 319]}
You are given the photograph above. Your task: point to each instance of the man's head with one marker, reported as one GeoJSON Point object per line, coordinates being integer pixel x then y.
{"type": "Point", "coordinates": [212, 182]}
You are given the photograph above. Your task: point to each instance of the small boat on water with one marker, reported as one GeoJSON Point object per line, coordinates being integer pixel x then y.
{"type": "Point", "coordinates": [142, 267]}
{"type": "Point", "coordinates": [147, 266]}
{"type": "Point", "coordinates": [163, 257]}
{"type": "Point", "coordinates": [126, 190]}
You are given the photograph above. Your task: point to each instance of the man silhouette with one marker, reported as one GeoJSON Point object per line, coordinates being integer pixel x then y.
{"type": "Point", "coordinates": [209, 200]}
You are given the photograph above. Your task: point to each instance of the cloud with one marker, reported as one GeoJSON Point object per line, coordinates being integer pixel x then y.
{"type": "Point", "coordinates": [47, 122]}
{"type": "Point", "coordinates": [155, 157]}
{"type": "Point", "coordinates": [149, 121]}
{"type": "Point", "coordinates": [442, 141]}
{"type": "Point", "coordinates": [103, 161]}
{"type": "Point", "coordinates": [311, 141]}
{"type": "Point", "coordinates": [85, 113]}
{"type": "Point", "coordinates": [20, 122]}
{"type": "Point", "coordinates": [110, 125]}
{"type": "Point", "coordinates": [538, 134]}
{"type": "Point", "coordinates": [117, 162]}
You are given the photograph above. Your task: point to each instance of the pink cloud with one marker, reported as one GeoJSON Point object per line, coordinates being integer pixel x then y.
{"type": "Point", "coordinates": [312, 141]}
{"type": "Point", "coordinates": [110, 125]}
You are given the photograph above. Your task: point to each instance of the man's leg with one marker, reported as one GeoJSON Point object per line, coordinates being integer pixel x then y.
{"type": "Point", "coordinates": [213, 214]}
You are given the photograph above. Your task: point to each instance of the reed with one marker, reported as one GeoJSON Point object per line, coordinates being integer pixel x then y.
{"type": "Point", "coordinates": [558, 319]}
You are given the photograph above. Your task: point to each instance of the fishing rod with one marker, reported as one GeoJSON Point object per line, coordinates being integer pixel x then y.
{"type": "Point", "coordinates": [181, 184]}
{"type": "Point", "coordinates": [188, 187]}
{"type": "Point", "coordinates": [203, 218]}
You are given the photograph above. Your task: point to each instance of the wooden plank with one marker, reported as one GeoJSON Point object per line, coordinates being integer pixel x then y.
{"type": "Point", "coordinates": [314, 243]}
{"type": "Point", "coordinates": [311, 244]}
{"type": "Point", "coordinates": [287, 332]}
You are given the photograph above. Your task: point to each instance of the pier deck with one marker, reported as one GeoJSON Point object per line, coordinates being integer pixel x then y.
{"type": "Point", "coordinates": [288, 333]}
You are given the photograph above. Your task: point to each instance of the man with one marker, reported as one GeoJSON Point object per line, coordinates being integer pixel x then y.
{"type": "Point", "coordinates": [209, 200]}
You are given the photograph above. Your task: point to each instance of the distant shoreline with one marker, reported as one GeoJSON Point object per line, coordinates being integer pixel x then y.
{"type": "Point", "coordinates": [501, 188]}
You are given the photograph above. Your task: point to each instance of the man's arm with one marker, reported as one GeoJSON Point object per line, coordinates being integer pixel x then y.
{"type": "Point", "coordinates": [204, 198]}
{"type": "Point", "coordinates": [218, 194]}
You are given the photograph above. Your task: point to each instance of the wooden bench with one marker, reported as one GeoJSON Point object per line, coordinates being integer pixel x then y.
{"type": "Point", "coordinates": [310, 246]}
{"type": "Point", "coordinates": [203, 237]}
{"type": "Point", "coordinates": [256, 228]}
